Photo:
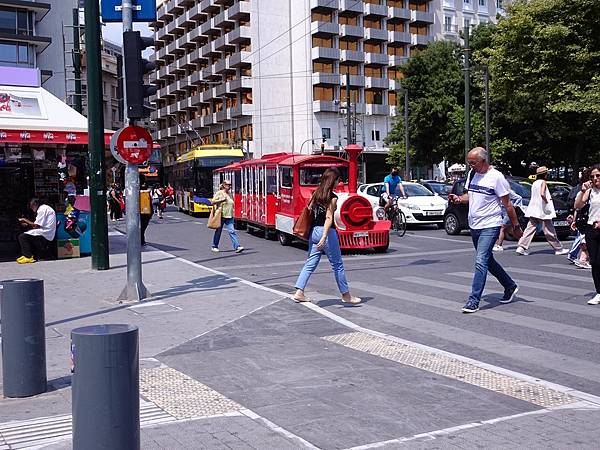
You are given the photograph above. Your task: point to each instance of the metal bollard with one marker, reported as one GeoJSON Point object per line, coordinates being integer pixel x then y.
{"type": "Point", "coordinates": [105, 387]}
{"type": "Point", "coordinates": [23, 337]}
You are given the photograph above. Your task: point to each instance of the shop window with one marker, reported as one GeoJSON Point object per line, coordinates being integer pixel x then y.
{"type": "Point", "coordinates": [286, 176]}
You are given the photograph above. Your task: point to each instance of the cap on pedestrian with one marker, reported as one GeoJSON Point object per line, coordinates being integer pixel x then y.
{"type": "Point", "coordinates": [540, 170]}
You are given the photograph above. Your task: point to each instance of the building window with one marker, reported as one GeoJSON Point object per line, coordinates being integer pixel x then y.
{"type": "Point", "coordinates": [322, 67]}
{"type": "Point", "coordinates": [322, 17]}
{"type": "Point", "coordinates": [322, 42]}
{"type": "Point", "coordinates": [15, 21]}
{"type": "Point", "coordinates": [483, 3]}
{"type": "Point", "coordinates": [348, 45]}
{"type": "Point", "coordinates": [375, 136]}
{"type": "Point", "coordinates": [373, 72]}
{"type": "Point", "coordinates": [467, 24]}
{"type": "Point", "coordinates": [448, 28]}
{"type": "Point", "coordinates": [373, 97]}
{"type": "Point", "coordinates": [15, 54]}
{"type": "Point", "coordinates": [372, 23]}
{"type": "Point", "coordinates": [372, 48]}
{"type": "Point", "coordinates": [324, 93]}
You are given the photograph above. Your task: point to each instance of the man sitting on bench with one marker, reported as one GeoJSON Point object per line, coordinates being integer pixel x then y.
{"type": "Point", "coordinates": [41, 231]}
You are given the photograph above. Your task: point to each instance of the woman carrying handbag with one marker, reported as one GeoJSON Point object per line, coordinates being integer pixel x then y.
{"type": "Point", "coordinates": [223, 205]}
{"type": "Point", "coordinates": [324, 239]}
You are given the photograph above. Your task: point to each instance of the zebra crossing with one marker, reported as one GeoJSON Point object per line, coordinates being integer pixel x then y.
{"type": "Point", "coordinates": [548, 332]}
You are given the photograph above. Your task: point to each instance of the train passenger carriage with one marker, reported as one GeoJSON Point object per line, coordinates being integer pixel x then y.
{"type": "Point", "coordinates": [269, 194]}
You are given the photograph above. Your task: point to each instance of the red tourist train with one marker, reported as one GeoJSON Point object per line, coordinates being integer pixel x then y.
{"type": "Point", "coordinates": [269, 194]}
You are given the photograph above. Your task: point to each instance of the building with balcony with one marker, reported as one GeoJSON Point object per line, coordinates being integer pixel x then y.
{"type": "Point", "coordinates": [274, 73]}
{"type": "Point", "coordinates": [453, 16]}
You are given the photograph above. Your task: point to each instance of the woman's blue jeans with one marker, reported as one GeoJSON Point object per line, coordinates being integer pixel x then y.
{"type": "Point", "coordinates": [228, 225]}
{"type": "Point", "coordinates": [484, 241]}
{"type": "Point", "coordinates": [334, 254]}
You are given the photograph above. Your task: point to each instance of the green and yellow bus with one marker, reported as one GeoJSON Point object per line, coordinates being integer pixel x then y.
{"type": "Point", "coordinates": [191, 175]}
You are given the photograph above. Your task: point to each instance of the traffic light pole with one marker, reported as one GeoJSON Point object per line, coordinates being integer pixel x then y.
{"type": "Point", "coordinates": [99, 226]}
{"type": "Point", "coordinates": [134, 290]}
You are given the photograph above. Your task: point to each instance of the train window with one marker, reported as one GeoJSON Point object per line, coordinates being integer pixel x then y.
{"type": "Point", "coordinates": [287, 177]}
{"type": "Point", "coordinates": [271, 181]}
{"type": "Point", "coordinates": [237, 177]}
{"type": "Point", "coordinates": [312, 176]}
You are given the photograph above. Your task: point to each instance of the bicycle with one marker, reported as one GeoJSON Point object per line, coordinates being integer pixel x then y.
{"type": "Point", "coordinates": [398, 219]}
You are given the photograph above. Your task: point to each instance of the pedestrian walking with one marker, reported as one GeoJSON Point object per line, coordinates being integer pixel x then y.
{"type": "Point", "coordinates": [540, 211]}
{"type": "Point", "coordinates": [487, 191]}
{"type": "Point", "coordinates": [42, 231]}
{"type": "Point", "coordinates": [157, 198]}
{"type": "Point", "coordinates": [578, 254]}
{"type": "Point", "coordinates": [223, 200]}
{"type": "Point", "coordinates": [146, 211]}
{"type": "Point", "coordinates": [590, 195]}
{"type": "Point", "coordinates": [324, 239]}
{"type": "Point", "coordinates": [114, 203]}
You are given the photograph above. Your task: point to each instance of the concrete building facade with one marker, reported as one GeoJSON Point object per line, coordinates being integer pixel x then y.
{"type": "Point", "coordinates": [452, 16]}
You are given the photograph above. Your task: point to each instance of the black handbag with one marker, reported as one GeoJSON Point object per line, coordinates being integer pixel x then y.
{"type": "Point", "coordinates": [583, 215]}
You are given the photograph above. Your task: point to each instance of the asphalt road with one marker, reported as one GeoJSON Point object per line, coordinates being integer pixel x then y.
{"type": "Point", "coordinates": [416, 292]}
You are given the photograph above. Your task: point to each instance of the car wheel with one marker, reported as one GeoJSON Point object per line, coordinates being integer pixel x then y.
{"type": "Point", "coordinates": [451, 224]}
{"type": "Point", "coordinates": [284, 238]}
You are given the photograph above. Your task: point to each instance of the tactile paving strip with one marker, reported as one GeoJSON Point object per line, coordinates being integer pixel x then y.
{"type": "Point", "coordinates": [452, 368]}
{"type": "Point", "coordinates": [182, 396]}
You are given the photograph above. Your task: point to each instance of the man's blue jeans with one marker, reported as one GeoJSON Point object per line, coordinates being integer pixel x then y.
{"type": "Point", "coordinates": [333, 252]}
{"type": "Point", "coordinates": [228, 225]}
{"type": "Point", "coordinates": [484, 241]}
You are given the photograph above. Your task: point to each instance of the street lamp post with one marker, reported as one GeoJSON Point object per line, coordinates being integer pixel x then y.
{"type": "Point", "coordinates": [406, 131]}
{"type": "Point", "coordinates": [308, 140]}
{"type": "Point", "coordinates": [467, 71]}
{"type": "Point", "coordinates": [486, 76]}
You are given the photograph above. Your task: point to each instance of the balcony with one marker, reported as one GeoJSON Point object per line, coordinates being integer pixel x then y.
{"type": "Point", "coordinates": [208, 6]}
{"type": "Point", "coordinates": [325, 106]}
{"type": "Point", "coordinates": [209, 28]}
{"type": "Point", "coordinates": [242, 110]}
{"type": "Point", "coordinates": [377, 110]}
{"type": "Point", "coordinates": [196, 57]}
{"type": "Point", "coordinates": [171, 27]}
{"type": "Point", "coordinates": [173, 8]}
{"type": "Point", "coordinates": [375, 10]}
{"type": "Point", "coordinates": [196, 13]}
{"type": "Point", "coordinates": [207, 95]}
{"type": "Point", "coordinates": [421, 18]}
{"type": "Point", "coordinates": [161, 33]}
{"type": "Point", "coordinates": [325, 78]}
{"type": "Point", "coordinates": [398, 13]}
{"type": "Point", "coordinates": [173, 68]}
{"type": "Point", "coordinates": [208, 120]}
{"type": "Point", "coordinates": [185, 2]}
{"type": "Point", "coordinates": [352, 56]}
{"type": "Point", "coordinates": [222, 67]}
{"type": "Point", "coordinates": [351, 31]}
{"type": "Point", "coordinates": [376, 59]}
{"type": "Point", "coordinates": [241, 34]}
{"type": "Point", "coordinates": [222, 21]}
{"type": "Point", "coordinates": [377, 83]}
{"type": "Point", "coordinates": [172, 109]}
{"type": "Point", "coordinates": [184, 104]}
{"type": "Point", "coordinates": [351, 7]}
{"type": "Point", "coordinates": [195, 36]}
{"type": "Point", "coordinates": [223, 115]}
{"type": "Point", "coordinates": [240, 84]}
{"type": "Point", "coordinates": [183, 42]}
{"type": "Point", "coordinates": [421, 40]}
{"type": "Point", "coordinates": [221, 90]}
{"type": "Point", "coordinates": [239, 59]}
{"type": "Point", "coordinates": [184, 20]}
{"type": "Point", "coordinates": [196, 100]}
{"type": "Point", "coordinates": [397, 60]}
{"type": "Point", "coordinates": [161, 12]}
{"type": "Point", "coordinates": [324, 5]}
{"type": "Point", "coordinates": [375, 35]}
{"type": "Point", "coordinates": [324, 29]}
{"type": "Point", "coordinates": [399, 36]}
{"type": "Point", "coordinates": [325, 54]}
{"type": "Point", "coordinates": [355, 80]}
{"type": "Point", "coordinates": [209, 50]}
{"type": "Point", "coordinates": [240, 11]}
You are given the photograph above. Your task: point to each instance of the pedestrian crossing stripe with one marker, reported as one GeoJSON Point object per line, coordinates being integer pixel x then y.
{"type": "Point", "coordinates": [453, 368]}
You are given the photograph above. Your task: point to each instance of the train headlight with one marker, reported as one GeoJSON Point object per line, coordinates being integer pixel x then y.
{"type": "Point", "coordinates": [380, 213]}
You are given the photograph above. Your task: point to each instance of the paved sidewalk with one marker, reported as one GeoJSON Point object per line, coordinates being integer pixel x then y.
{"type": "Point", "coordinates": [229, 365]}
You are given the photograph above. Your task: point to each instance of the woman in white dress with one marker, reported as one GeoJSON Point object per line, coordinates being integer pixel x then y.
{"type": "Point", "coordinates": [540, 212]}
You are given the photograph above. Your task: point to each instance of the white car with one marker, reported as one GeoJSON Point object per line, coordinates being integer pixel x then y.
{"type": "Point", "coordinates": [421, 207]}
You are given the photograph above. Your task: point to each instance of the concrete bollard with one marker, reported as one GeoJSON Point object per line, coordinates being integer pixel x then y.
{"type": "Point", "coordinates": [23, 337]}
{"type": "Point", "coordinates": [105, 387]}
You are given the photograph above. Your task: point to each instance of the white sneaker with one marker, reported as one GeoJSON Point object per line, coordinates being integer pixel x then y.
{"type": "Point", "coordinates": [214, 250]}
{"type": "Point", "coordinates": [240, 249]}
{"type": "Point", "coordinates": [562, 251]}
{"type": "Point", "coordinates": [521, 251]}
{"type": "Point", "coordinates": [595, 300]}
{"type": "Point", "coordinates": [498, 248]}
{"type": "Point", "coordinates": [582, 264]}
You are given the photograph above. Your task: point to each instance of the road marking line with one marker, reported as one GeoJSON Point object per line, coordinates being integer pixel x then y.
{"type": "Point", "coordinates": [455, 241]}
{"type": "Point", "coordinates": [565, 266]}
{"type": "Point", "coordinates": [276, 428]}
{"type": "Point", "coordinates": [584, 396]}
{"type": "Point", "coordinates": [561, 276]}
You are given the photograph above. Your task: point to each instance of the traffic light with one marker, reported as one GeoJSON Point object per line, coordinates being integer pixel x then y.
{"type": "Point", "coordinates": [135, 69]}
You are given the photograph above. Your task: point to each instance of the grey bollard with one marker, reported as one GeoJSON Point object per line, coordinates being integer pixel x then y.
{"type": "Point", "coordinates": [105, 387]}
{"type": "Point", "coordinates": [23, 337]}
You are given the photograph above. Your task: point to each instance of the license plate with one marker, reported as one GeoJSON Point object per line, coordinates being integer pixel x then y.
{"type": "Point", "coordinates": [359, 234]}
{"type": "Point", "coordinates": [560, 223]}
{"type": "Point", "coordinates": [433, 213]}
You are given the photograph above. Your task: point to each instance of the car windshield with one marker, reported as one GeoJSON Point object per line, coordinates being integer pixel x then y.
{"type": "Point", "coordinates": [524, 190]}
{"type": "Point", "coordinates": [442, 189]}
{"type": "Point", "coordinates": [414, 190]}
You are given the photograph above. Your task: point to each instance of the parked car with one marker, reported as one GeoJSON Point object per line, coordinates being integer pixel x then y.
{"type": "Point", "coordinates": [438, 187]}
{"type": "Point", "coordinates": [421, 207]}
{"type": "Point", "coordinates": [558, 189]}
{"type": "Point", "coordinates": [456, 217]}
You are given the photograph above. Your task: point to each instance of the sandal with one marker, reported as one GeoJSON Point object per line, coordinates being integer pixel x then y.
{"type": "Point", "coordinates": [353, 300]}
{"type": "Point", "coordinates": [301, 299]}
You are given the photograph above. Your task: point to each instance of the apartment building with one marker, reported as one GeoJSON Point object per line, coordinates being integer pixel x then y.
{"type": "Point", "coordinates": [274, 72]}
{"type": "Point", "coordinates": [453, 16]}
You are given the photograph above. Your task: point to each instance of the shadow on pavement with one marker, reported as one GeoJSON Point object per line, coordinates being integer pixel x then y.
{"type": "Point", "coordinates": [204, 284]}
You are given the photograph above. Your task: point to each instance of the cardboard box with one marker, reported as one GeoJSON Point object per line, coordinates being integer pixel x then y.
{"type": "Point", "coordinates": [68, 248]}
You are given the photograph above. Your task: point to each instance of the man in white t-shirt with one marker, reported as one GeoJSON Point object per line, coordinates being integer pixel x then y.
{"type": "Point", "coordinates": [42, 230]}
{"type": "Point", "coordinates": [487, 190]}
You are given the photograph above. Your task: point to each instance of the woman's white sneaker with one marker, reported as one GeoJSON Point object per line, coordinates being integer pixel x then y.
{"type": "Point", "coordinates": [521, 251]}
{"type": "Point", "coordinates": [595, 300]}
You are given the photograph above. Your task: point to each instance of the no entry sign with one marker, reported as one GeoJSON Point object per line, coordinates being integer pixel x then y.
{"type": "Point", "coordinates": [133, 144]}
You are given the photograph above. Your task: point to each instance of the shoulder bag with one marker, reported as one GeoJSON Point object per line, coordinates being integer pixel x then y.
{"type": "Point", "coordinates": [583, 215]}
{"type": "Point", "coordinates": [214, 220]}
{"type": "Point", "coordinates": [303, 224]}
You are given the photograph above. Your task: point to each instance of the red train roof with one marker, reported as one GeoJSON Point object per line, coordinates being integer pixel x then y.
{"type": "Point", "coordinates": [286, 159]}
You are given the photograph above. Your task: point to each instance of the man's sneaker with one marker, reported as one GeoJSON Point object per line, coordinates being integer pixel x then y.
{"type": "Point", "coordinates": [521, 251]}
{"type": "Point", "coordinates": [240, 249]}
{"type": "Point", "coordinates": [214, 250]}
{"type": "Point", "coordinates": [562, 251]}
{"type": "Point", "coordinates": [470, 307]}
{"type": "Point", "coordinates": [498, 248]}
{"type": "Point", "coordinates": [595, 300]}
{"type": "Point", "coordinates": [582, 264]}
{"type": "Point", "coordinates": [509, 294]}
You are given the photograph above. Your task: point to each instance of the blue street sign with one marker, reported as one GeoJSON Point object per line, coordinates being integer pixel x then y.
{"type": "Point", "coordinates": [143, 10]}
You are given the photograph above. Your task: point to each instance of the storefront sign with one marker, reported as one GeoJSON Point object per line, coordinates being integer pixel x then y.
{"type": "Point", "coordinates": [43, 137]}
{"type": "Point", "coordinates": [23, 105]}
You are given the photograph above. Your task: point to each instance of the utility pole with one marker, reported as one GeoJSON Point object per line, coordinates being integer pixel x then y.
{"type": "Point", "coordinates": [99, 226]}
{"type": "Point", "coordinates": [77, 61]}
{"type": "Point", "coordinates": [467, 71]}
{"type": "Point", "coordinates": [486, 77]}
{"type": "Point", "coordinates": [406, 132]}
{"type": "Point", "coordinates": [348, 111]}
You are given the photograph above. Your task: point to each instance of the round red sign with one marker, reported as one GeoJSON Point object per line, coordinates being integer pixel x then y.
{"type": "Point", "coordinates": [134, 144]}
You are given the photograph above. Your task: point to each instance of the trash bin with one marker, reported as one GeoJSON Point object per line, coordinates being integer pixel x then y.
{"type": "Point", "coordinates": [23, 337]}
{"type": "Point", "coordinates": [105, 387]}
